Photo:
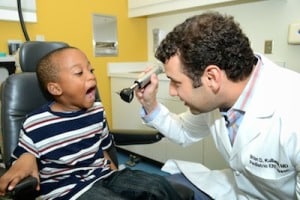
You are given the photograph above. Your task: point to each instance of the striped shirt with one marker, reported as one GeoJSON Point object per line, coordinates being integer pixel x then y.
{"type": "Point", "coordinates": [68, 147]}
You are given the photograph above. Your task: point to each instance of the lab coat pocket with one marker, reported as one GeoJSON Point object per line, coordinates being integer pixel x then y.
{"type": "Point", "coordinates": [272, 185]}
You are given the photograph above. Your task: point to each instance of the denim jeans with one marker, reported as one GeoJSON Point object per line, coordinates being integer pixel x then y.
{"type": "Point", "coordinates": [181, 179]}
{"type": "Point", "coordinates": [131, 184]}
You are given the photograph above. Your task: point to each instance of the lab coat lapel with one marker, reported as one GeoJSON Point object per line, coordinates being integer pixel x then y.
{"type": "Point", "coordinates": [244, 137]}
{"type": "Point", "coordinates": [257, 119]}
{"type": "Point", "coordinates": [216, 122]}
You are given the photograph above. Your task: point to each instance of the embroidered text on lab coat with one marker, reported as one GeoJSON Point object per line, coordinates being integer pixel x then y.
{"type": "Point", "coordinates": [268, 163]}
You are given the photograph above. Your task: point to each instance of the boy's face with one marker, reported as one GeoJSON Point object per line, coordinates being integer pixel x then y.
{"type": "Point", "coordinates": [76, 84]}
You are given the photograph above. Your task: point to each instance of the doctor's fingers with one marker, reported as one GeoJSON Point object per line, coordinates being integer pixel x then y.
{"type": "Point", "coordinates": [149, 90]}
{"type": "Point", "coordinates": [152, 87]}
{"type": "Point", "coordinates": [139, 94]}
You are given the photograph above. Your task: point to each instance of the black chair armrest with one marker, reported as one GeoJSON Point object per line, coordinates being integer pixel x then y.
{"type": "Point", "coordinates": [26, 187]}
{"type": "Point", "coordinates": [131, 137]}
{"type": "Point", "coordinates": [23, 190]}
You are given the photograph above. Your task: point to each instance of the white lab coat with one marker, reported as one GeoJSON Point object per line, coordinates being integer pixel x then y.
{"type": "Point", "coordinates": [265, 158]}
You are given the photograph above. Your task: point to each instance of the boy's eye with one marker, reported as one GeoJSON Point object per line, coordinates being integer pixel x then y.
{"type": "Point", "coordinates": [79, 73]}
{"type": "Point", "coordinates": [92, 70]}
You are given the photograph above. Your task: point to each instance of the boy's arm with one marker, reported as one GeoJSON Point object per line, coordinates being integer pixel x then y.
{"type": "Point", "coordinates": [23, 167]}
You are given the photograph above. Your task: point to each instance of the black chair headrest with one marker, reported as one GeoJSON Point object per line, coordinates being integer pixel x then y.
{"type": "Point", "coordinates": [31, 52]}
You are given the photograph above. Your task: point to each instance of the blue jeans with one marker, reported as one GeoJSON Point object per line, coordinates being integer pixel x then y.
{"type": "Point", "coordinates": [131, 184]}
{"type": "Point", "coordinates": [181, 179]}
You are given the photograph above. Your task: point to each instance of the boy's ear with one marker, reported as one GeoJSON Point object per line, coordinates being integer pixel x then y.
{"type": "Point", "coordinates": [54, 89]}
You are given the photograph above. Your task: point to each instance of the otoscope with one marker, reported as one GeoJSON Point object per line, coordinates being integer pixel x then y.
{"type": "Point", "coordinates": [126, 94]}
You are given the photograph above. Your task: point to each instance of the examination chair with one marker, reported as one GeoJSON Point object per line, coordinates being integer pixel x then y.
{"type": "Point", "coordinates": [21, 94]}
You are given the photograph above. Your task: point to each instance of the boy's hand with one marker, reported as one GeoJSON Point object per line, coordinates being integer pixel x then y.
{"type": "Point", "coordinates": [23, 167]}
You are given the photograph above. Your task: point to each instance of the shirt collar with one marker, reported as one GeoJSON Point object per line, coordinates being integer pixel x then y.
{"type": "Point", "coordinates": [244, 99]}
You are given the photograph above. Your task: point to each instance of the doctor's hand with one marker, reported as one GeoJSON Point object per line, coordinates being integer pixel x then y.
{"type": "Point", "coordinates": [23, 167]}
{"type": "Point", "coordinates": [147, 95]}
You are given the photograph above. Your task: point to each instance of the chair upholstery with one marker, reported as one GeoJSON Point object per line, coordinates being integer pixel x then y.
{"type": "Point", "coordinates": [32, 52]}
{"type": "Point", "coordinates": [13, 113]}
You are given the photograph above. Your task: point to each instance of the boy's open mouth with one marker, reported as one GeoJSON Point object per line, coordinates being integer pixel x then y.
{"type": "Point", "coordinates": [91, 92]}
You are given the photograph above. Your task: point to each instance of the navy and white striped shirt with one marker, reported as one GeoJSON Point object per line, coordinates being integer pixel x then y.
{"type": "Point", "coordinates": [68, 147]}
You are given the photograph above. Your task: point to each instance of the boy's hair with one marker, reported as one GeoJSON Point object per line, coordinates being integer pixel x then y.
{"type": "Point", "coordinates": [48, 68]}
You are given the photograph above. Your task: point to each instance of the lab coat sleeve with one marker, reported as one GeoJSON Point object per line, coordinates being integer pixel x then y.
{"type": "Point", "coordinates": [184, 129]}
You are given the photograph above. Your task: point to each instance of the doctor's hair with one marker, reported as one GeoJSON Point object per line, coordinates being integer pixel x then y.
{"type": "Point", "coordinates": [209, 39]}
{"type": "Point", "coordinates": [48, 68]}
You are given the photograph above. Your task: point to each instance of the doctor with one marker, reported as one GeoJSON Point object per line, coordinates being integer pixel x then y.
{"type": "Point", "coordinates": [215, 73]}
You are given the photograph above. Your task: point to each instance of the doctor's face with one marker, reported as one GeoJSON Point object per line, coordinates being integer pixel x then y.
{"type": "Point", "coordinates": [200, 99]}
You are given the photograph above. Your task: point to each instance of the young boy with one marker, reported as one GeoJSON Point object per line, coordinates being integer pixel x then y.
{"type": "Point", "coordinates": [63, 144]}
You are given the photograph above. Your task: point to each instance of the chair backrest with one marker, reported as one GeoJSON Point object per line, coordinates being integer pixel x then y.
{"type": "Point", "coordinates": [21, 94]}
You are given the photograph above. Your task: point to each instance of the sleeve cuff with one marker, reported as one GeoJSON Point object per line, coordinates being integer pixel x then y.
{"type": "Point", "coordinates": [149, 117]}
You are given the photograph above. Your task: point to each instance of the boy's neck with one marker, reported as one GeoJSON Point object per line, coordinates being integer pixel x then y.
{"type": "Point", "coordinates": [57, 107]}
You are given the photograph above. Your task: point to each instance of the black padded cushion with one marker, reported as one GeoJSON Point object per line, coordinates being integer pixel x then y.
{"type": "Point", "coordinates": [31, 52]}
{"type": "Point", "coordinates": [21, 94]}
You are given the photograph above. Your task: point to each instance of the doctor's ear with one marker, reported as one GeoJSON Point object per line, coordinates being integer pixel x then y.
{"type": "Point", "coordinates": [212, 77]}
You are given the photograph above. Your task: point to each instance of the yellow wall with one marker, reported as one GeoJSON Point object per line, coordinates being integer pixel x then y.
{"type": "Point", "coordinates": [71, 21]}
